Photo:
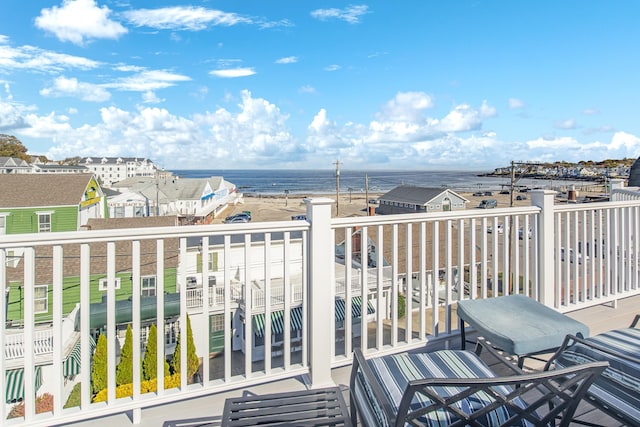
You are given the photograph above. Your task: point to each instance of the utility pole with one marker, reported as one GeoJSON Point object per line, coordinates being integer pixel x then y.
{"type": "Point", "coordinates": [366, 192]}
{"type": "Point", "coordinates": [337, 163]}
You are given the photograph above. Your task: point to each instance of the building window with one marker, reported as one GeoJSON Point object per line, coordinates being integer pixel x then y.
{"type": "Point", "coordinates": [41, 299]}
{"type": "Point", "coordinates": [118, 211]}
{"type": "Point", "coordinates": [3, 225]}
{"type": "Point", "coordinates": [148, 286]}
{"type": "Point", "coordinates": [213, 261]}
{"type": "Point", "coordinates": [44, 222]}
{"type": "Point", "coordinates": [102, 284]}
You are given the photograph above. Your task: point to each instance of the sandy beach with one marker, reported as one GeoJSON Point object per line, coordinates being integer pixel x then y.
{"type": "Point", "coordinates": [281, 208]}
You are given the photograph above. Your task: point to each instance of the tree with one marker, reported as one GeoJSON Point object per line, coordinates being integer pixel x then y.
{"type": "Point", "coordinates": [99, 368]}
{"type": "Point", "coordinates": [149, 367]}
{"type": "Point", "coordinates": [10, 146]}
{"type": "Point", "coordinates": [192, 358]}
{"type": "Point", "coordinates": [124, 371]}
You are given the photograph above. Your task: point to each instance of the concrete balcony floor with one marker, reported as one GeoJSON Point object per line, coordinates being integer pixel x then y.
{"type": "Point", "coordinates": [207, 410]}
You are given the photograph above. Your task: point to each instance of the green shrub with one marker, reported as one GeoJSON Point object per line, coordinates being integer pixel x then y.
{"type": "Point", "coordinates": [402, 306]}
{"type": "Point", "coordinates": [75, 397]}
{"type": "Point", "coordinates": [192, 358]}
{"type": "Point", "coordinates": [124, 371]}
{"type": "Point", "coordinates": [149, 368]}
{"type": "Point", "coordinates": [99, 368]}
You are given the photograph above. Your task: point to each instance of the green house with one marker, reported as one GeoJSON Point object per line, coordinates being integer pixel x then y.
{"type": "Point", "coordinates": [98, 281]}
{"type": "Point", "coordinates": [43, 203]}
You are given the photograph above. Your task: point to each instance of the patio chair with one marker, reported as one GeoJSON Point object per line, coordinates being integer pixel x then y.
{"type": "Point", "coordinates": [617, 390]}
{"type": "Point", "coordinates": [456, 388]}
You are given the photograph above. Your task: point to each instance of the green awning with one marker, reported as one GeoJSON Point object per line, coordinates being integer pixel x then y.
{"type": "Point", "coordinates": [71, 365]}
{"type": "Point", "coordinates": [277, 322]}
{"type": "Point", "coordinates": [15, 384]}
{"type": "Point", "coordinates": [356, 308]}
{"type": "Point", "coordinates": [277, 317]}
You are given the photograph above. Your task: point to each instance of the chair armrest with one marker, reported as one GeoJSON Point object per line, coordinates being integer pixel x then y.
{"type": "Point", "coordinates": [539, 398]}
{"type": "Point", "coordinates": [635, 322]}
{"type": "Point", "coordinates": [570, 340]}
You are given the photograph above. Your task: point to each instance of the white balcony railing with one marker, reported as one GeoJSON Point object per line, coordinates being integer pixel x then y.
{"type": "Point", "coordinates": [417, 267]}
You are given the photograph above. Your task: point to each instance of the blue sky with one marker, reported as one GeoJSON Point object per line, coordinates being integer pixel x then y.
{"type": "Point", "coordinates": [416, 84]}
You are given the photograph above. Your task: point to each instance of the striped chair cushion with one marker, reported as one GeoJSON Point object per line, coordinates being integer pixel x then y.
{"type": "Point", "coordinates": [394, 372]}
{"type": "Point", "coordinates": [619, 386]}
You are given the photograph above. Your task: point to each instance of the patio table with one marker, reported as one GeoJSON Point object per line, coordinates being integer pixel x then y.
{"type": "Point", "coordinates": [518, 325]}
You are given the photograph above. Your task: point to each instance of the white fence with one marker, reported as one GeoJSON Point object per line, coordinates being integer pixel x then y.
{"type": "Point", "coordinates": [415, 267]}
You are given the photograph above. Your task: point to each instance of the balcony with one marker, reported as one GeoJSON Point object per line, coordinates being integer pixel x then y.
{"type": "Point", "coordinates": [290, 300]}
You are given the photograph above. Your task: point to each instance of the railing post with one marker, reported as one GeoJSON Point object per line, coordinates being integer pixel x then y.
{"type": "Point", "coordinates": [546, 269]}
{"type": "Point", "coordinates": [321, 259]}
{"type": "Point", "coordinates": [614, 185]}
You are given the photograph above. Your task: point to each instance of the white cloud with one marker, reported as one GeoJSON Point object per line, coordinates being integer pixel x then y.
{"type": "Point", "coordinates": [591, 112]}
{"type": "Point", "coordinates": [150, 97]}
{"type": "Point", "coordinates": [287, 60]}
{"type": "Point", "coordinates": [464, 118]}
{"type": "Point", "coordinates": [183, 18]}
{"type": "Point", "coordinates": [307, 89]}
{"type": "Point", "coordinates": [406, 106]}
{"type": "Point", "coordinates": [350, 14]}
{"type": "Point", "coordinates": [34, 59]}
{"type": "Point", "coordinates": [148, 80]}
{"type": "Point", "coordinates": [515, 103]}
{"type": "Point", "coordinates": [625, 142]}
{"type": "Point", "coordinates": [78, 21]}
{"type": "Point", "coordinates": [63, 86]}
{"type": "Point", "coordinates": [565, 124]}
{"type": "Point", "coordinates": [233, 72]}
{"type": "Point", "coordinates": [333, 67]}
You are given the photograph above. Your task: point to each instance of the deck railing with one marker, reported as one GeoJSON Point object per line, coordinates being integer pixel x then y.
{"type": "Point", "coordinates": [308, 307]}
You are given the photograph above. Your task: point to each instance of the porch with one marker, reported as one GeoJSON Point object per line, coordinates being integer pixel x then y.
{"type": "Point", "coordinates": [411, 269]}
{"type": "Point", "coordinates": [207, 410]}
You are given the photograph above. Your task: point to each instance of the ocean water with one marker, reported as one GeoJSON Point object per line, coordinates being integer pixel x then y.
{"type": "Point", "coordinates": [262, 181]}
{"type": "Point", "coordinates": [323, 181]}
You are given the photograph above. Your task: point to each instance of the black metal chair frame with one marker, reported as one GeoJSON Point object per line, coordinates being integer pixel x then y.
{"type": "Point", "coordinates": [592, 399]}
{"type": "Point", "coordinates": [557, 393]}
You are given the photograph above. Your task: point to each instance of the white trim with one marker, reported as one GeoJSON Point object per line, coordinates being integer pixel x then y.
{"type": "Point", "coordinates": [102, 283]}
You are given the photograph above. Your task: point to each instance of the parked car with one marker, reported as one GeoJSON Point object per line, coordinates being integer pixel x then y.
{"type": "Point", "coordinates": [504, 192]}
{"type": "Point", "coordinates": [521, 233]}
{"type": "Point", "coordinates": [299, 217]}
{"type": "Point", "coordinates": [237, 218]}
{"type": "Point", "coordinates": [499, 230]}
{"type": "Point", "coordinates": [478, 194]}
{"type": "Point", "coordinates": [571, 256]}
{"type": "Point", "coordinates": [521, 197]}
{"type": "Point", "coordinates": [488, 193]}
{"type": "Point", "coordinates": [373, 201]}
{"type": "Point", "coordinates": [488, 203]}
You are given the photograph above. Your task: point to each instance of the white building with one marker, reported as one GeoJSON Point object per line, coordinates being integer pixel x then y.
{"type": "Point", "coordinates": [193, 200]}
{"type": "Point", "coordinates": [114, 169]}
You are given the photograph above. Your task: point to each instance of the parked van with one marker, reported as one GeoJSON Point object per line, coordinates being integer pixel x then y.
{"type": "Point", "coordinates": [488, 204]}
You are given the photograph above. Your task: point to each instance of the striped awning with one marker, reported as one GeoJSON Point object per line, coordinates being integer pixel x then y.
{"type": "Point", "coordinates": [15, 384]}
{"type": "Point", "coordinates": [277, 317]}
{"type": "Point", "coordinates": [356, 308]}
{"type": "Point", "coordinates": [71, 365]}
{"type": "Point", "coordinates": [277, 322]}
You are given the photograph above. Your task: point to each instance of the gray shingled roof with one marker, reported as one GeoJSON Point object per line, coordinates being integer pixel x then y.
{"type": "Point", "coordinates": [171, 188]}
{"type": "Point", "coordinates": [40, 190]}
{"type": "Point", "coordinates": [414, 195]}
{"type": "Point", "coordinates": [634, 174]}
